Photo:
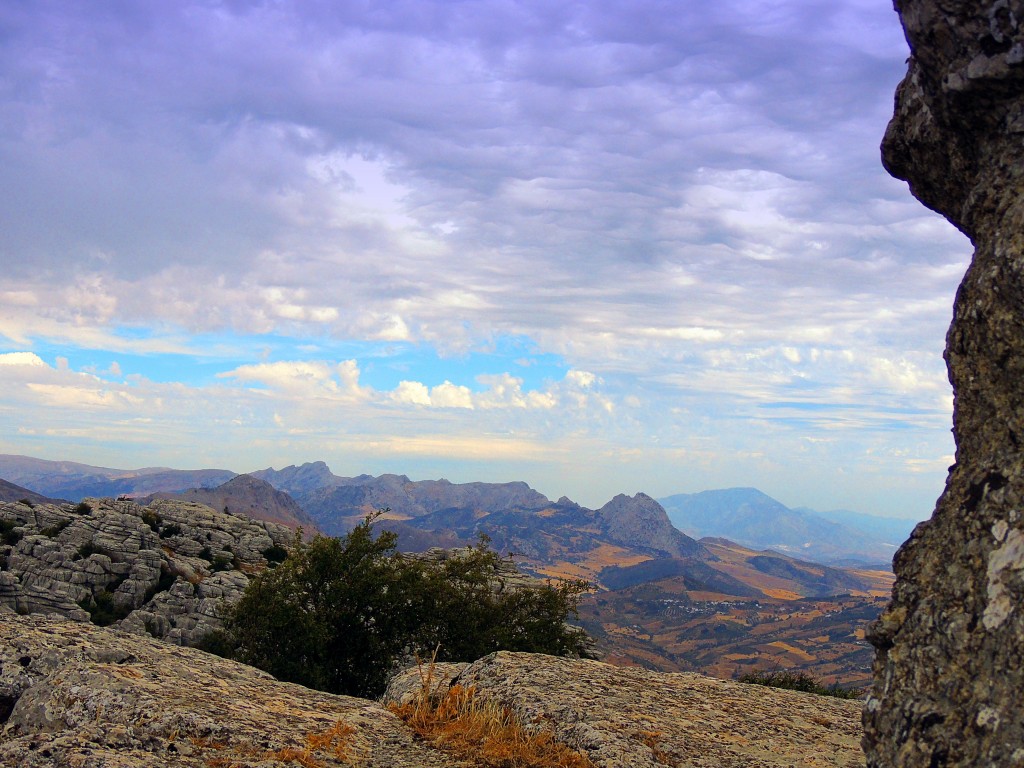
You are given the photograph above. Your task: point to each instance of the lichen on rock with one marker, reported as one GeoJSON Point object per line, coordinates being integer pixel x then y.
{"type": "Point", "coordinates": [950, 647]}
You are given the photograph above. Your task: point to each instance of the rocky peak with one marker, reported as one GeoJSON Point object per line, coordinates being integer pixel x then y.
{"type": "Point", "coordinates": [248, 496]}
{"type": "Point", "coordinates": [641, 521]}
{"type": "Point", "coordinates": [947, 671]}
{"type": "Point", "coordinates": [299, 479]}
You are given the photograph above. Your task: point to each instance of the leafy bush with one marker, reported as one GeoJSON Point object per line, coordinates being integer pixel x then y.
{"type": "Point", "coordinates": [275, 554]}
{"type": "Point", "coordinates": [152, 519]}
{"type": "Point", "coordinates": [340, 614]}
{"type": "Point", "coordinates": [170, 530]}
{"type": "Point", "coordinates": [7, 533]}
{"type": "Point", "coordinates": [101, 608]}
{"type": "Point", "coordinates": [83, 508]}
{"type": "Point", "coordinates": [165, 582]}
{"type": "Point", "coordinates": [799, 681]}
{"type": "Point", "coordinates": [87, 549]}
{"type": "Point", "coordinates": [27, 502]}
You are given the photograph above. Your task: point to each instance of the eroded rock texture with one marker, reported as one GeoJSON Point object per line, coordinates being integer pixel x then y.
{"type": "Point", "coordinates": [625, 716]}
{"type": "Point", "coordinates": [166, 570]}
{"type": "Point", "coordinates": [948, 670]}
{"type": "Point", "coordinates": [72, 694]}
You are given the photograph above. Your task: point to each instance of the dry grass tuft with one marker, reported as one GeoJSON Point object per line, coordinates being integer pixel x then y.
{"type": "Point", "coordinates": [333, 742]}
{"type": "Point", "coordinates": [458, 721]}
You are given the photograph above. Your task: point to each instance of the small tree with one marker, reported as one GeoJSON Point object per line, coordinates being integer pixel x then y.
{"type": "Point", "coordinates": [339, 614]}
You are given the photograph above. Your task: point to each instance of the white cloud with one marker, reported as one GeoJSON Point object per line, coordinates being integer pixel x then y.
{"type": "Point", "coordinates": [411, 393]}
{"type": "Point", "coordinates": [21, 358]}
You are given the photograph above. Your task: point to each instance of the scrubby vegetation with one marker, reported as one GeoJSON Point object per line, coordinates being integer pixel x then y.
{"type": "Point", "coordinates": [799, 681]}
{"type": "Point", "coordinates": [459, 721]}
{"type": "Point", "coordinates": [341, 614]}
{"type": "Point", "coordinates": [152, 519]}
{"type": "Point", "coordinates": [8, 535]}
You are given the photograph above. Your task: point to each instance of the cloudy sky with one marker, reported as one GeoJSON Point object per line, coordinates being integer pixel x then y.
{"type": "Point", "coordinates": [598, 246]}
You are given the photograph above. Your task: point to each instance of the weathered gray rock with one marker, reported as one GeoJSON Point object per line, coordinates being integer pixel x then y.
{"type": "Point", "coordinates": [72, 694]}
{"type": "Point", "coordinates": [167, 569]}
{"type": "Point", "coordinates": [948, 669]}
{"type": "Point", "coordinates": [621, 717]}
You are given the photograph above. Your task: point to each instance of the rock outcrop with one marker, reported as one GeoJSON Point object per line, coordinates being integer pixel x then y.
{"type": "Point", "coordinates": [948, 671]}
{"type": "Point", "coordinates": [75, 695]}
{"type": "Point", "coordinates": [72, 694]}
{"type": "Point", "coordinates": [163, 570]}
{"type": "Point", "coordinates": [624, 716]}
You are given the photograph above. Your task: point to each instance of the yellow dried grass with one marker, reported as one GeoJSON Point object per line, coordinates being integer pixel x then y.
{"type": "Point", "coordinates": [461, 722]}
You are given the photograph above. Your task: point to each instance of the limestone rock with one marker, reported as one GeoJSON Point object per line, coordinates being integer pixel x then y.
{"type": "Point", "coordinates": [72, 694]}
{"type": "Point", "coordinates": [948, 671]}
{"type": "Point", "coordinates": [166, 569]}
{"type": "Point", "coordinates": [632, 717]}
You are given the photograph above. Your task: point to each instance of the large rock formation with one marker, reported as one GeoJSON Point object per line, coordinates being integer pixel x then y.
{"type": "Point", "coordinates": [632, 717]}
{"type": "Point", "coordinates": [72, 694]}
{"type": "Point", "coordinates": [948, 670]}
{"type": "Point", "coordinates": [164, 570]}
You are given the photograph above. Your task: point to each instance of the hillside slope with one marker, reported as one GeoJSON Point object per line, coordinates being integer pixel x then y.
{"type": "Point", "coordinates": [754, 519]}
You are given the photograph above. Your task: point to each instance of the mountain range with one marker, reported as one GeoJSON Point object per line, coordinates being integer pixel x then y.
{"type": "Point", "coordinates": [517, 517]}
{"type": "Point", "coordinates": [660, 592]}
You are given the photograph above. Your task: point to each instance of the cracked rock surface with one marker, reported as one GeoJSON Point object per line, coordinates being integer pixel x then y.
{"type": "Point", "coordinates": [164, 570]}
{"type": "Point", "coordinates": [77, 695]}
{"type": "Point", "coordinates": [625, 716]}
{"type": "Point", "coordinates": [73, 694]}
{"type": "Point", "coordinates": [949, 666]}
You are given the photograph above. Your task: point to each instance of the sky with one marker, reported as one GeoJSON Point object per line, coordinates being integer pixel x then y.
{"type": "Point", "coordinates": [600, 247]}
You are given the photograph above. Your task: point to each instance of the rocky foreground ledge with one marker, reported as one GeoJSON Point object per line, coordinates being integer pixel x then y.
{"type": "Point", "coordinates": [72, 694]}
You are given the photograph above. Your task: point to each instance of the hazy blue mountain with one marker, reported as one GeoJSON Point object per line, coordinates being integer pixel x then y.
{"type": "Point", "coordinates": [73, 481]}
{"type": "Point", "coordinates": [754, 519]}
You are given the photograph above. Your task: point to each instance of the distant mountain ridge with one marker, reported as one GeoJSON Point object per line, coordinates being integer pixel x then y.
{"type": "Point", "coordinates": [520, 519]}
{"type": "Point", "coordinates": [73, 481]}
{"type": "Point", "coordinates": [754, 519]}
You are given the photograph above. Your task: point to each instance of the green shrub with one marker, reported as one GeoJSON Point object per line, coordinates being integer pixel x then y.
{"type": "Point", "coordinates": [799, 681]}
{"type": "Point", "coordinates": [152, 519]}
{"type": "Point", "coordinates": [8, 535]}
{"type": "Point", "coordinates": [222, 563]}
{"type": "Point", "coordinates": [101, 608]}
{"type": "Point", "coordinates": [168, 531]}
{"type": "Point", "coordinates": [83, 508]}
{"type": "Point", "coordinates": [340, 614]}
{"type": "Point", "coordinates": [87, 549]}
{"type": "Point", "coordinates": [275, 554]}
{"type": "Point", "coordinates": [165, 582]}
{"type": "Point", "coordinates": [27, 502]}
